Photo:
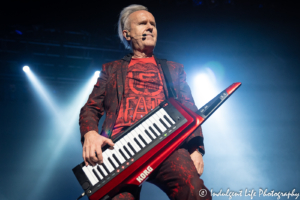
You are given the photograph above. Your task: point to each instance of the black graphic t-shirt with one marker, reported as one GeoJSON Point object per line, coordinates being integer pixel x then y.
{"type": "Point", "coordinates": [143, 92]}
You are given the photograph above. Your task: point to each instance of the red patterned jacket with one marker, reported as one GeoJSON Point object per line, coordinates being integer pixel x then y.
{"type": "Point", "coordinates": [107, 95]}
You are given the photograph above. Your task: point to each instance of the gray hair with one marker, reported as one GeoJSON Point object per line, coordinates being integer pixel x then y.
{"type": "Point", "coordinates": [123, 21]}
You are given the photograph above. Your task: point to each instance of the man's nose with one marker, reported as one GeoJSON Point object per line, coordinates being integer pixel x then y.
{"type": "Point", "coordinates": [150, 27]}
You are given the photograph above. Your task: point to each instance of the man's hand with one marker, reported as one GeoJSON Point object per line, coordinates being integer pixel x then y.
{"type": "Point", "coordinates": [198, 161]}
{"type": "Point", "coordinates": [93, 142]}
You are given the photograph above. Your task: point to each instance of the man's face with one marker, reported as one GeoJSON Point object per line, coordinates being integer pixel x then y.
{"type": "Point", "coordinates": [142, 22]}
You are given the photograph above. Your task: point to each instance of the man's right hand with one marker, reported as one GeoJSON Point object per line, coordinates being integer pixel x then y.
{"type": "Point", "coordinates": [93, 142]}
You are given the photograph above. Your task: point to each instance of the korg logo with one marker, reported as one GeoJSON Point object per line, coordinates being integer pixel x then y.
{"type": "Point", "coordinates": [144, 174]}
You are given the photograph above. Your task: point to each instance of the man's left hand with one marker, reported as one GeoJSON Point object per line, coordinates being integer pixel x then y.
{"type": "Point", "coordinates": [198, 161]}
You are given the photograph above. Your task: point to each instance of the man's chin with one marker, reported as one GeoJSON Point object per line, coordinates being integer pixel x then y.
{"type": "Point", "coordinates": [149, 48]}
{"type": "Point", "coordinates": [149, 45]}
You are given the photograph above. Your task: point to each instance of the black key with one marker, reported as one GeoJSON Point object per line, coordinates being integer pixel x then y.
{"type": "Point", "coordinates": [151, 129]}
{"type": "Point", "coordinates": [96, 174]}
{"type": "Point", "coordinates": [99, 170]}
{"type": "Point", "coordinates": [104, 166]}
{"type": "Point", "coordinates": [111, 162]}
{"type": "Point", "coordinates": [123, 156]}
{"type": "Point", "coordinates": [116, 159]}
{"type": "Point", "coordinates": [122, 153]}
{"type": "Point", "coordinates": [157, 128]}
{"type": "Point", "coordinates": [141, 142]}
{"type": "Point", "coordinates": [167, 120]}
{"type": "Point", "coordinates": [138, 143]}
{"type": "Point", "coordinates": [149, 134]}
{"type": "Point", "coordinates": [131, 148]}
{"type": "Point", "coordinates": [128, 152]}
{"type": "Point", "coordinates": [163, 123]}
{"type": "Point", "coordinates": [142, 139]}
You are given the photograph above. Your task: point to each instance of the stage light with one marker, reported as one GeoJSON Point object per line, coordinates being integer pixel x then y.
{"type": "Point", "coordinates": [70, 123]}
{"type": "Point", "coordinates": [18, 32]}
{"type": "Point", "coordinates": [40, 89]}
{"type": "Point", "coordinates": [93, 80]}
{"type": "Point", "coordinates": [220, 131]}
{"type": "Point", "coordinates": [198, 2]}
{"type": "Point", "coordinates": [205, 85]}
{"type": "Point", "coordinates": [97, 73]}
{"type": "Point", "coordinates": [26, 69]}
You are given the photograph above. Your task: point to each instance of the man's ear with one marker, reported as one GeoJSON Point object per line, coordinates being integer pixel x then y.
{"type": "Point", "coordinates": [126, 35]}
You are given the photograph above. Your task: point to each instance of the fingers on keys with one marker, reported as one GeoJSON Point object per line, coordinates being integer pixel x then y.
{"type": "Point", "coordinates": [99, 154]}
{"type": "Point", "coordinates": [109, 142]}
{"type": "Point", "coordinates": [93, 158]}
{"type": "Point", "coordinates": [92, 154]}
{"type": "Point", "coordinates": [84, 157]}
{"type": "Point", "coordinates": [89, 155]}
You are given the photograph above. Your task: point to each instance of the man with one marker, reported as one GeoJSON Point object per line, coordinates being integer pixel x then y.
{"type": "Point", "coordinates": [127, 90]}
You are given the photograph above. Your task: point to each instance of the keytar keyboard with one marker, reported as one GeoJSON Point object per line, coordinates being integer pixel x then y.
{"type": "Point", "coordinates": [143, 146]}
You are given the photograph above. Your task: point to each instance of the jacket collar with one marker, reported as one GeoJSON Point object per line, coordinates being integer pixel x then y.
{"type": "Point", "coordinates": [129, 56]}
{"type": "Point", "coordinates": [121, 74]}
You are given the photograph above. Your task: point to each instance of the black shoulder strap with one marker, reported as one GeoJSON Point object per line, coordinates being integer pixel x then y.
{"type": "Point", "coordinates": [168, 77]}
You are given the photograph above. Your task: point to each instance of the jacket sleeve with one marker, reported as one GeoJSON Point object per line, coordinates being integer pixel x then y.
{"type": "Point", "coordinates": [195, 140]}
{"type": "Point", "coordinates": [93, 110]}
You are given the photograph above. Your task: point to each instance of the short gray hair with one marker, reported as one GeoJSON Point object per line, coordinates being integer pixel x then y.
{"type": "Point", "coordinates": [123, 23]}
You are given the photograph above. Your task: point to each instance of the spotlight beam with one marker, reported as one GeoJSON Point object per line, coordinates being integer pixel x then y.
{"type": "Point", "coordinates": [220, 132]}
{"type": "Point", "coordinates": [70, 120]}
{"type": "Point", "coordinates": [48, 101]}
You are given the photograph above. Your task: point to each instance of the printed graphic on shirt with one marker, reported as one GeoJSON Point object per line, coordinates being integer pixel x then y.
{"type": "Point", "coordinates": [143, 92]}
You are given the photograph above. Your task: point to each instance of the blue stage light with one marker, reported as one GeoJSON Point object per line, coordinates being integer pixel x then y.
{"type": "Point", "coordinates": [26, 69]}
{"type": "Point", "coordinates": [97, 73]}
{"type": "Point", "coordinates": [18, 32]}
{"type": "Point", "coordinates": [67, 124]}
{"type": "Point", "coordinates": [41, 90]}
{"type": "Point", "coordinates": [198, 2]}
{"type": "Point", "coordinates": [205, 85]}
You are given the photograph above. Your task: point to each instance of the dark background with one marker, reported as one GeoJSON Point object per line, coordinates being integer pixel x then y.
{"type": "Point", "coordinates": [251, 141]}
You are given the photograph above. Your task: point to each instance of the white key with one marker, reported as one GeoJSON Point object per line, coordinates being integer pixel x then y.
{"type": "Point", "coordinates": [165, 113]}
{"type": "Point", "coordinates": [131, 136]}
{"type": "Point", "coordinates": [89, 176]}
{"type": "Point", "coordinates": [103, 170]}
{"type": "Point", "coordinates": [120, 144]}
{"type": "Point", "coordinates": [118, 155]}
{"type": "Point", "coordinates": [118, 147]}
{"type": "Point", "coordinates": [143, 134]}
{"type": "Point", "coordinates": [159, 124]}
{"type": "Point", "coordinates": [150, 123]}
{"type": "Point", "coordinates": [106, 162]}
{"type": "Point", "coordinates": [135, 134]}
{"type": "Point", "coordinates": [164, 120]}
{"type": "Point", "coordinates": [124, 142]}
{"type": "Point", "coordinates": [96, 170]}
{"type": "Point", "coordinates": [146, 126]}
{"type": "Point", "coordinates": [90, 168]}
{"type": "Point", "coordinates": [128, 139]}
{"type": "Point", "coordinates": [109, 153]}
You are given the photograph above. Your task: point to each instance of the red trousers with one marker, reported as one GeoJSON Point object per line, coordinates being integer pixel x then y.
{"type": "Point", "coordinates": [176, 176]}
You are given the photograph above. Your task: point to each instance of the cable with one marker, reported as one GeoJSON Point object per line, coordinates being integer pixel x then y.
{"type": "Point", "coordinates": [82, 195]}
